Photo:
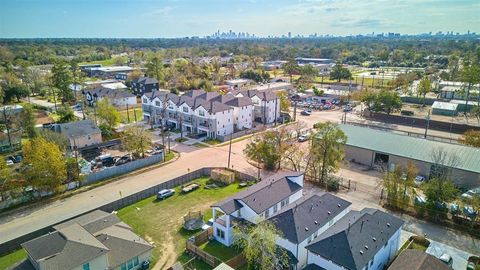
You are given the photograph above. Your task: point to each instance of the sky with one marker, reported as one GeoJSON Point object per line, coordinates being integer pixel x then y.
{"type": "Point", "coordinates": [180, 18]}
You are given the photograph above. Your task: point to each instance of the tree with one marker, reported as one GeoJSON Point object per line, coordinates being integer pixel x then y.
{"type": "Point", "coordinates": [471, 138]}
{"type": "Point", "coordinates": [284, 101]}
{"type": "Point", "coordinates": [399, 185]}
{"type": "Point", "coordinates": [155, 68]}
{"type": "Point", "coordinates": [252, 75]}
{"type": "Point", "coordinates": [5, 176]}
{"type": "Point", "coordinates": [61, 79]}
{"type": "Point", "coordinates": [291, 67]}
{"type": "Point", "coordinates": [339, 73]}
{"type": "Point", "coordinates": [107, 113]}
{"type": "Point", "coordinates": [66, 114]}
{"type": "Point", "coordinates": [137, 140]}
{"type": "Point", "coordinates": [317, 92]}
{"type": "Point", "coordinates": [388, 101]}
{"type": "Point", "coordinates": [471, 75]}
{"type": "Point", "coordinates": [259, 246]}
{"type": "Point", "coordinates": [45, 164]}
{"type": "Point", "coordinates": [269, 147]}
{"type": "Point", "coordinates": [424, 87]}
{"type": "Point", "coordinates": [54, 137]}
{"type": "Point", "coordinates": [308, 74]}
{"type": "Point", "coordinates": [27, 121]}
{"type": "Point", "coordinates": [328, 148]}
{"type": "Point", "coordinates": [35, 79]}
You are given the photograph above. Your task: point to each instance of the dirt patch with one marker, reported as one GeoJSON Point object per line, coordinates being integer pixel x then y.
{"type": "Point", "coordinates": [42, 118]}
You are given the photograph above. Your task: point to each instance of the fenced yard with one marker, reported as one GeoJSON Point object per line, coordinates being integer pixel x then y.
{"type": "Point", "coordinates": [160, 222]}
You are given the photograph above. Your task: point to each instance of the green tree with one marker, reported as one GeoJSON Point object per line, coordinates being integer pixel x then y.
{"type": "Point", "coordinates": [5, 176]}
{"type": "Point", "coordinates": [291, 67]}
{"type": "Point", "coordinates": [470, 74]}
{"type": "Point", "coordinates": [27, 121]}
{"type": "Point", "coordinates": [269, 147]}
{"type": "Point", "coordinates": [399, 185]}
{"type": "Point", "coordinates": [259, 246]}
{"type": "Point", "coordinates": [388, 101]}
{"type": "Point", "coordinates": [327, 149]}
{"type": "Point", "coordinates": [45, 164]}
{"type": "Point", "coordinates": [471, 138]}
{"type": "Point", "coordinates": [73, 170]}
{"type": "Point", "coordinates": [252, 75]}
{"type": "Point", "coordinates": [107, 113]}
{"type": "Point", "coordinates": [66, 114]}
{"type": "Point", "coordinates": [155, 68]}
{"type": "Point", "coordinates": [61, 79]}
{"type": "Point", "coordinates": [308, 73]}
{"type": "Point", "coordinates": [424, 87]}
{"type": "Point", "coordinates": [339, 73]}
{"type": "Point", "coordinates": [54, 137]}
{"type": "Point", "coordinates": [317, 92]}
{"type": "Point", "coordinates": [284, 101]}
{"type": "Point", "coordinates": [137, 140]}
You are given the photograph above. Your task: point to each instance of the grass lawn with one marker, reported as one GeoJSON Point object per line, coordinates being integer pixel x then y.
{"type": "Point", "coordinates": [212, 141]}
{"type": "Point", "coordinates": [220, 251]}
{"type": "Point", "coordinates": [199, 145]}
{"type": "Point", "coordinates": [106, 62]}
{"type": "Point", "coordinates": [138, 113]}
{"type": "Point", "coordinates": [12, 258]}
{"type": "Point", "coordinates": [169, 156]}
{"type": "Point", "coordinates": [181, 139]}
{"type": "Point", "coordinates": [161, 221]}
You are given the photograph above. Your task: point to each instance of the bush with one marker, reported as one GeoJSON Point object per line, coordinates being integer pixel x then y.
{"type": "Point", "coordinates": [406, 113]}
{"type": "Point", "coordinates": [333, 184]}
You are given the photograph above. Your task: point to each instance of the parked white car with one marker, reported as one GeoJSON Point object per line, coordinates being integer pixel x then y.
{"type": "Point", "coordinates": [471, 193]}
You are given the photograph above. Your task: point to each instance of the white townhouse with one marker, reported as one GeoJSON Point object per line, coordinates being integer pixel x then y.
{"type": "Point", "coordinates": [361, 240]}
{"type": "Point", "coordinates": [196, 112]}
{"type": "Point", "coordinates": [257, 203]}
{"type": "Point", "coordinates": [318, 231]}
{"type": "Point", "coordinates": [266, 104]}
{"type": "Point", "coordinates": [303, 221]}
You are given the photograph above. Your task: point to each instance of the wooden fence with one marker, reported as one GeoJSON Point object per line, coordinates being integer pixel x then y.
{"type": "Point", "coordinates": [202, 255]}
{"type": "Point", "coordinates": [237, 261]}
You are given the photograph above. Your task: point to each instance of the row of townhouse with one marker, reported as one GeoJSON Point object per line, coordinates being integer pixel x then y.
{"type": "Point", "coordinates": [318, 231]}
{"type": "Point", "coordinates": [209, 113]}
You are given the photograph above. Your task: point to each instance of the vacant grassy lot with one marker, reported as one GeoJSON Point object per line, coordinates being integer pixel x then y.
{"type": "Point", "coordinates": [130, 117]}
{"type": "Point", "coordinates": [161, 221]}
{"type": "Point", "coordinates": [12, 258]}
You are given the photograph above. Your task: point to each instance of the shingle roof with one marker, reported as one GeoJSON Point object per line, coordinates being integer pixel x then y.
{"type": "Point", "coordinates": [410, 147]}
{"type": "Point", "coordinates": [304, 217]}
{"type": "Point", "coordinates": [223, 98]}
{"type": "Point", "coordinates": [262, 195]}
{"type": "Point", "coordinates": [83, 238]}
{"type": "Point", "coordinates": [65, 249]}
{"type": "Point", "coordinates": [78, 128]}
{"type": "Point", "coordinates": [194, 93]}
{"type": "Point", "coordinates": [110, 93]}
{"type": "Point", "coordinates": [208, 95]}
{"type": "Point", "coordinates": [414, 259]}
{"type": "Point", "coordinates": [239, 102]}
{"type": "Point", "coordinates": [313, 267]}
{"type": "Point", "coordinates": [355, 239]}
{"type": "Point", "coordinates": [145, 80]}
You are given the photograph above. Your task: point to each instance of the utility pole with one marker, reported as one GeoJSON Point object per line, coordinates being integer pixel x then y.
{"type": "Point", "coordinates": [229, 151]}
{"type": "Point", "coordinates": [128, 114]}
{"type": "Point", "coordinates": [428, 124]}
{"type": "Point", "coordinates": [295, 110]}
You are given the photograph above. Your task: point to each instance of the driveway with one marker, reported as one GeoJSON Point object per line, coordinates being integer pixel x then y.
{"type": "Point", "coordinates": [459, 257]}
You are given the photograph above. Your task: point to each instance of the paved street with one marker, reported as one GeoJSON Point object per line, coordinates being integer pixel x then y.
{"type": "Point", "coordinates": [365, 195]}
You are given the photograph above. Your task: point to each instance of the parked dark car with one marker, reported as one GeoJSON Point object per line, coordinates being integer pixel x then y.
{"type": "Point", "coordinates": [306, 112]}
{"type": "Point", "coordinates": [165, 193]}
{"type": "Point", "coordinates": [123, 160]}
{"type": "Point", "coordinates": [106, 160]}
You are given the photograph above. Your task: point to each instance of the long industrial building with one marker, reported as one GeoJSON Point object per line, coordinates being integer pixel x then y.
{"type": "Point", "coordinates": [374, 147]}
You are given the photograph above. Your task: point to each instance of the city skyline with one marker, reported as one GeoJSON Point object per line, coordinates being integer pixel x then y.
{"type": "Point", "coordinates": [181, 18]}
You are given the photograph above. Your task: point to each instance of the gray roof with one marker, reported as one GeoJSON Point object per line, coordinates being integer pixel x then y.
{"type": "Point", "coordinates": [414, 259]}
{"type": "Point", "coordinates": [313, 267]}
{"type": "Point", "coordinates": [356, 238]}
{"type": "Point", "coordinates": [65, 249]}
{"type": "Point", "coordinates": [263, 95]}
{"type": "Point", "coordinates": [239, 102]}
{"type": "Point", "coordinates": [410, 147]}
{"type": "Point", "coordinates": [145, 80]}
{"type": "Point", "coordinates": [223, 98]}
{"type": "Point", "coordinates": [78, 128]}
{"type": "Point", "coordinates": [262, 195]}
{"type": "Point", "coordinates": [213, 106]}
{"type": "Point", "coordinates": [110, 93]}
{"type": "Point", "coordinates": [208, 95]}
{"type": "Point", "coordinates": [194, 93]}
{"type": "Point", "coordinates": [86, 237]}
{"type": "Point", "coordinates": [304, 217]}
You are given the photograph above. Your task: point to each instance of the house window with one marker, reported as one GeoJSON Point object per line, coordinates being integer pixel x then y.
{"type": "Point", "coordinates": [124, 267]}
{"type": "Point", "coordinates": [284, 203]}
{"type": "Point", "coordinates": [135, 261]}
{"type": "Point", "coordinates": [275, 208]}
{"type": "Point", "coordinates": [86, 266]}
{"type": "Point", "coordinates": [220, 233]}
{"type": "Point", "coordinates": [267, 214]}
{"type": "Point", "coordinates": [130, 264]}
{"type": "Point", "coordinates": [201, 113]}
{"type": "Point", "coordinates": [185, 109]}
{"type": "Point", "coordinates": [157, 103]}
